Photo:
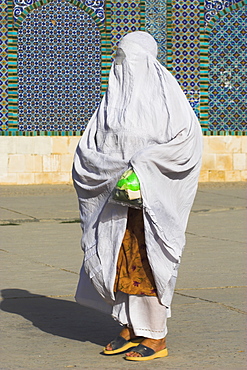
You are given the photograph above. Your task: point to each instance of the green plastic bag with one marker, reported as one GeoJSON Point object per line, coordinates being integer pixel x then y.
{"type": "Point", "coordinates": [127, 190]}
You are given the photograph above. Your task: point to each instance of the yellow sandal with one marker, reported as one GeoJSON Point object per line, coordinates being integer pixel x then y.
{"type": "Point", "coordinates": [119, 344]}
{"type": "Point", "coordinates": [147, 353]}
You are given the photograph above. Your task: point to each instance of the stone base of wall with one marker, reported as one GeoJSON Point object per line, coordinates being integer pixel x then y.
{"type": "Point", "coordinates": [48, 160]}
{"type": "Point", "coordinates": [224, 159]}
{"type": "Point", "coordinates": [36, 160]}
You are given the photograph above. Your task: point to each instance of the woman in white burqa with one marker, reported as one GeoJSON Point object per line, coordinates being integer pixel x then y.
{"type": "Point", "coordinates": [131, 257]}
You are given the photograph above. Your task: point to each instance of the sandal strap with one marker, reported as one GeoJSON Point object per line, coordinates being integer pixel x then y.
{"type": "Point", "coordinates": [143, 350]}
{"type": "Point", "coordinates": [118, 342]}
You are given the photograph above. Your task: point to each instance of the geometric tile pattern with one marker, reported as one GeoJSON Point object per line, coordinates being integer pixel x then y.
{"type": "Point", "coordinates": [185, 64]}
{"type": "Point", "coordinates": [205, 32]}
{"type": "Point", "coordinates": [156, 25]}
{"type": "Point", "coordinates": [188, 34]}
{"type": "Point", "coordinates": [96, 5]}
{"type": "Point", "coordinates": [212, 8]}
{"type": "Point", "coordinates": [59, 68]}
{"type": "Point", "coordinates": [227, 73]}
{"type": "Point", "coordinates": [3, 65]}
{"type": "Point", "coordinates": [125, 17]}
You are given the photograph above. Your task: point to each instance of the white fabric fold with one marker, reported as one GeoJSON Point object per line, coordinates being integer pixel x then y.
{"type": "Point", "coordinates": [144, 121]}
{"type": "Point", "coordinates": [144, 314]}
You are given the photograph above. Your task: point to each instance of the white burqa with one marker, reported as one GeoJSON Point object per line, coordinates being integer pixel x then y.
{"type": "Point", "coordinates": [145, 121]}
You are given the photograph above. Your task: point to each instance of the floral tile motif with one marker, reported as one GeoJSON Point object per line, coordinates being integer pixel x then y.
{"type": "Point", "coordinates": [96, 5]}
{"type": "Point", "coordinates": [156, 25]}
{"type": "Point", "coordinates": [213, 7]}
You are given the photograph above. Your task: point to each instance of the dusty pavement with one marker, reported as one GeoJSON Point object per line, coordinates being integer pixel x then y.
{"type": "Point", "coordinates": [43, 328]}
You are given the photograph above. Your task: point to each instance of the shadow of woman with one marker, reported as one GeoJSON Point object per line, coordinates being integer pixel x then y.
{"type": "Point", "coordinates": [60, 317]}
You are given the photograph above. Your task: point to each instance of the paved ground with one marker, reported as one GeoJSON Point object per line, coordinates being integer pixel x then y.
{"type": "Point", "coordinates": [43, 328]}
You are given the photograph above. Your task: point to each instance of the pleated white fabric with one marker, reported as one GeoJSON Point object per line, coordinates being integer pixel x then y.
{"type": "Point", "coordinates": [144, 121]}
{"type": "Point", "coordinates": [144, 314]}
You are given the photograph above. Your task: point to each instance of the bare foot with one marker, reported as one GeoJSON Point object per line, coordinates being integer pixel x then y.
{"type": "Point", "coordinates": [126, 333]}
{"type": "Point", "coordinates": [155, 344]}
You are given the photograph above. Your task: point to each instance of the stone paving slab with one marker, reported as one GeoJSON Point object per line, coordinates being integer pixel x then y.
{"type": "Point", "coordinates": [53, 243]}
{"type": "Point", "coordinates": [38, 202]}
{"type": "Point", "coordinates": [55, 333]}
{"type": "Point", "coordinates": [233, 298]}
{"type": "Point", "coordinates": [42, 327]}
{"type": "Point", "coordinates": [207, 262]}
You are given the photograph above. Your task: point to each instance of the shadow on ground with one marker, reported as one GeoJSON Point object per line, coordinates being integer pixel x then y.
{"type": "Point", "coordinates": [60, 317]}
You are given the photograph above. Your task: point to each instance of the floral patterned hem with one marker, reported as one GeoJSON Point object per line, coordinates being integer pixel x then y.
{"type": "Point", "coordinates": [134, 274]}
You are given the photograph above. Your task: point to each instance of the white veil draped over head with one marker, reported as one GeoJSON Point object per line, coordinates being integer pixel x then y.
{"type": "Point", "coordinates": [144, 121]}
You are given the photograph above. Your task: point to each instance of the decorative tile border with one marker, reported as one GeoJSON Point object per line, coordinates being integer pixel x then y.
{"type": "Point", "coordinates": [212, 8]}
{"type": "Point", "coordinates": [96, 5]}
{"type": "Point", "coordinates": [238, 5]}
{"type": "Point", "coordinates": [4, 66]}
{"type": "Point", "coordinates": [203, 72]}
{"type": "Point", "coordinates": [155, 24]}
{"type": "Point", "coordinates": [12, 72]}
{"type": "Point", "coordinates": [169, 32]}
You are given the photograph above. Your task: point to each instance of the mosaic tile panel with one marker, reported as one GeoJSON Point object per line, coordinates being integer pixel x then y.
{"type": "Point", "coordinates": [59, 68]}
{"type": "Point", "coordinates": [227, 77]}
{"type": "Point", "coordinates": [43, 107]}
{"type": "Point", "coordinates": [213, 7]}
{"type": "Point", "coordinates": [156, 25]}
{"type": "Point", "coordinates": [3, 65]}
{"type": "Point", "coordinates": [96, 5]}
{"type": "Point", "coordinates": [185, 64]}
{"type": "Point", "coordinates": [125, 17]}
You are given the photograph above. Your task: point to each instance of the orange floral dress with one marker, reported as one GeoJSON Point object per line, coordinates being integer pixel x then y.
{"type": "Point", "coordinates": [134, 274]}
